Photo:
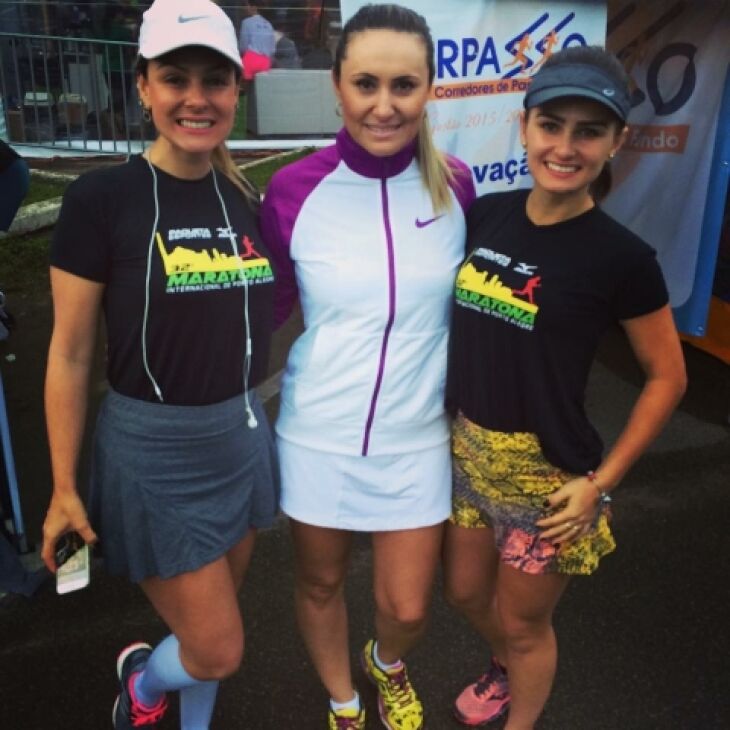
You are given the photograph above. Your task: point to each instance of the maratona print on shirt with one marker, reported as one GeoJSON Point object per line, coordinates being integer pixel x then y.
{"type": "Point", "coordinates": [189, 270]}
{"type": "Point", "coordinates": [480, 285]}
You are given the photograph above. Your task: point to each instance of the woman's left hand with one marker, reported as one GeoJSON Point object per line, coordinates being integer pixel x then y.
{"type": "Point", "coordinates": [575, 505]}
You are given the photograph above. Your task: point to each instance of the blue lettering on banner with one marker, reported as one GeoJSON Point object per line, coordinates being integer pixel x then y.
{"type": "Point", "coordinates": [508, 170]}
{"type": "Point", "coordinates": [448, 54]}
{"type": "Point", "coordinates": [470, 52]}
{"type": "Point", "coordinates": [665, 107]}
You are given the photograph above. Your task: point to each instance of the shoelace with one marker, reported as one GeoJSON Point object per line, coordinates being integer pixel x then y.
{"type": "Point", "coordinates": [399, 689]}
{"type": "Point", "coordinates": [485, 682]}
{"type": "Point", "coordinates": [141, 715]}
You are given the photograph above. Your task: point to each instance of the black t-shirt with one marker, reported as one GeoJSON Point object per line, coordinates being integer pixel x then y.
{"type": "Point", "coordinates": [531, 303]}
{"type": "Point", "coordinates": [195, 321]}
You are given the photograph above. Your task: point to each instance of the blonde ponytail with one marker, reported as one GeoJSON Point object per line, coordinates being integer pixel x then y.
{"type": "Point", "coordinates": [435, 170]}
{"type": "Point", "coordinates": [223, 162]}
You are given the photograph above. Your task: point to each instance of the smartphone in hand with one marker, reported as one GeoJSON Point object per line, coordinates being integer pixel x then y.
{"type": "Point", "coordinates": [72, 563]}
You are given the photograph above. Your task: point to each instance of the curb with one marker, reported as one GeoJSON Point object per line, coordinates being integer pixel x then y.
{"type": "Point", "coordinates": [34, 217]}
{"type": "Point", "coordinates": [40, 215]}
{"type": "Point", "coordinates": [56, 176]}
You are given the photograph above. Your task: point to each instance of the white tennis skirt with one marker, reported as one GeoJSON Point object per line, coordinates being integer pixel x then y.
{"type": "Point", "coordinates": [365, 493]}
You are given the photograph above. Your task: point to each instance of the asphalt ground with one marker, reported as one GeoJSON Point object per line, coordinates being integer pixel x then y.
{"type": "Point", "coordinates": [644, 643]}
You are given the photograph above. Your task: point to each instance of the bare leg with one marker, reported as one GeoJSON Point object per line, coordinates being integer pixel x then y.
{"type": "Point", "coordinates": [526, 604]}
{"type": "Point", "coordinates": [203, 653]}
{"type": "Point", "coordinates": [404, 565]}
{"type": "Point", "coordinates": [239, 558]}
{"type": "Point", "coordinates": [471, 561]}
{"type": "Point", "coordinates": [321, 558]}
{"type": "Point", "coordinates": [201, 609]}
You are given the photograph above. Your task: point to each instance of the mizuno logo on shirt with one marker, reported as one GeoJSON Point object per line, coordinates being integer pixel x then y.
{"type": "Point", "coordinates": [423, 224]}
{"type": "Point", "coordinates": [187, 19]}
{"type": "Point", "coordinates": [523, 268]}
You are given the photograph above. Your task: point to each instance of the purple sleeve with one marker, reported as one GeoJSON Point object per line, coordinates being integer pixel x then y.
{"type": "Point", "coordinates": [463, 183]}
{"type": "Point", "coordinates": [285, 196]}
{"type": "Point", "coordinates": [277, 241]}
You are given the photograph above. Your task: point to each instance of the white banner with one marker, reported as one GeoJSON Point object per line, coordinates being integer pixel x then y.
{"type": "Point", "coordinates": [485, 52]}
{"type": "Point", "coordinates": [677, 54]}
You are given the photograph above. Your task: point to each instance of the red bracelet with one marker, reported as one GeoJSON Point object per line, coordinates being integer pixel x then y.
{"type": "Point", "coordinates": [603, 497]}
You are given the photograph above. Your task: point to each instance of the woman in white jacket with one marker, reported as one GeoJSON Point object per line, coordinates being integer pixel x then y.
{"type": "Point", "coordinates": [369, 233]}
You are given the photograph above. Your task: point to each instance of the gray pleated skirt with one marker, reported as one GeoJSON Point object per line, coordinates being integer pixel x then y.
{"type": "Point", "coordinates": [173, 488]}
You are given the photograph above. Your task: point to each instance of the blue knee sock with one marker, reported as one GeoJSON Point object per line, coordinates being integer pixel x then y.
{"type": "Point", "coordinates": [164, 672]}
{"type": "Point", "coordinates": [196, 705]}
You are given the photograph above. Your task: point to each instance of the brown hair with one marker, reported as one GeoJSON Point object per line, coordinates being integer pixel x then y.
{"type": "Point", "coordinates": [221, 157]}
{"type": "Point", "coordinates": [601, 59]}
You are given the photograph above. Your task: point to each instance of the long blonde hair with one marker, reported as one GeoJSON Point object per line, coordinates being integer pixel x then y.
{"type": "Point", "coordinates": [436, 173]}
{"type": "Point", "coordinates": [224, 162]}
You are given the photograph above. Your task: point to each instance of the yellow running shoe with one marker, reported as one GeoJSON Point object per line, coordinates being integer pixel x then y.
{"type": "Point", "coordinates": [347, 720]}
{"type": "Point", "coordinates": [399, 707]}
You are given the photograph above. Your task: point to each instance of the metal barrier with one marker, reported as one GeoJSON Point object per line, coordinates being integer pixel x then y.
{"type": "Point", "coordinates": [71, 93]}
{"type": "Point", "coordinates": [78, 94]}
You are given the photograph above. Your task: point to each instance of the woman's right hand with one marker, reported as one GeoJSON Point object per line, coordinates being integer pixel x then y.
{"type": "Point", "coordinates": [66, 512]}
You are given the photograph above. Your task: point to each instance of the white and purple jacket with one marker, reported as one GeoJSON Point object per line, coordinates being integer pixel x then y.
{"type": "Point", "coordinates": [357, 238]}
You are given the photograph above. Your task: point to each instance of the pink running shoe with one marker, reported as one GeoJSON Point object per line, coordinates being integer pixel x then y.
{"type": "Point", "coordinates": [486, 699]}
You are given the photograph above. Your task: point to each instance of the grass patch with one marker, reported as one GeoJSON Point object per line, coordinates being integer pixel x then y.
{"type": "Point", "coordinates": [239, 124]}
{"type": "Point", "coordinates": [260, 173]}
{"type": "Point", "coordinates": [24, 262]}
{"type": "Point", "coordinates": [43, 189]}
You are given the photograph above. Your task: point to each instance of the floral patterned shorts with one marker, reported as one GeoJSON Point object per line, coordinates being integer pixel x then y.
{"type": "Point", "coordinates": [501, 481]}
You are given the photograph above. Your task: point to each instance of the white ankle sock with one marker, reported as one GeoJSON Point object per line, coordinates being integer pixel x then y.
{"type": "Point", "coordinates": [353, 704]}
{"type": "Point", "coordinates": [381, 664]}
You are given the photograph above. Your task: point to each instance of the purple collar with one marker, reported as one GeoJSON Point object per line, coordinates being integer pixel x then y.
{"type": "Point", "coordinates": [363, 163]}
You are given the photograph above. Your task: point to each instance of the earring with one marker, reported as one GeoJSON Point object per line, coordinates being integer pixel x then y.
{"type": "Point", "coordinates": [611, 155]}
{"type": "Point", "coordinates": [145, 111]}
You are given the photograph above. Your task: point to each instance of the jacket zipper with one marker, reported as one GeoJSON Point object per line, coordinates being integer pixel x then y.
{"type": "Point", "coordinates": [391, 315]}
